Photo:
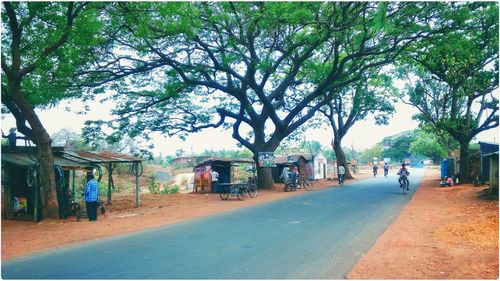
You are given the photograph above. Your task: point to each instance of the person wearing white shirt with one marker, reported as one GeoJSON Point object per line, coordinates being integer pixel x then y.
{"type": "Point", "coordinates": [215, 180]}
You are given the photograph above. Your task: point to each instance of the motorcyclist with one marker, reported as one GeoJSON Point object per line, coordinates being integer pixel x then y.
{"type": "Point", "coordinates": [386, 169]}
{"type": "Point", "coordinates": [403, 173]}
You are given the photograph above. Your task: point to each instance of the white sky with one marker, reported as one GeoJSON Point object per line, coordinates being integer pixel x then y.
{"type": "Point", "coordinates": [362, 135]}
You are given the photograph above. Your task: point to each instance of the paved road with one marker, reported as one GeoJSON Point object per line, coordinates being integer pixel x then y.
{"type": "Point", "coordinates": [318, 235]}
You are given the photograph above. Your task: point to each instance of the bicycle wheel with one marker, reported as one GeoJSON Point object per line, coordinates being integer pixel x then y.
{"type": "Point", "coordinates": [224, 193]}
{"type": "Point", "coordinates": [32, 176]}
{"type": "Point", "coordinates": [307, 185]}
{"type": "Point", "coordinates": [241, 193]}
{"type": "Point", "coordinates": [78, 211]}
{"type": "Point", "coordinates": [252, 190]}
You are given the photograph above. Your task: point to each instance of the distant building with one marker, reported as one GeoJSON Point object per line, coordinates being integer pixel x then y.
{"type": "Point", "coordinates": [189, 161]}
{"type": "Point", "coordinates": [487, 149]}
{"type": "Point", "coordinates": [318, 164]}
{"type": "Point", "coordinates": [297, 160]}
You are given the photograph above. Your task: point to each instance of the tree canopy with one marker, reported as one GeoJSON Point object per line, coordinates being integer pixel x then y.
{"type": "Point", "coordinates": [264, 68]}
{"type": "Point", "coordinates": [43, 45]}
{"type": "Point", "coordinates": [457, 77]}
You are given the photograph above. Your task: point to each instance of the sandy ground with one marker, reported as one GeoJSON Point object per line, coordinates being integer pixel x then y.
{"type": "Point", "coordinates": [443, 233]}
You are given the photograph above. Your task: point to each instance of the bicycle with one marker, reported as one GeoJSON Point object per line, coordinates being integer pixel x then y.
{"type": "Point", "coordinates": [290, 185]}
{"type": "Point", "coordinates": [304, 183]}
{"type": "Point", "coordinates": [237, 189]}
{"type": "Point", "coordinates": [76, 209]}
{"type": "Point", "coordinates": [251, 187]}
{"type": "Point", "coordinates": [341, 180]}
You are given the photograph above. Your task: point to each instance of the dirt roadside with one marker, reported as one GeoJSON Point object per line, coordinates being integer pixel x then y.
{"type": "Point", "coordinates": [443, 233]}
{"type": "Point", "coordinates": [21, 238]}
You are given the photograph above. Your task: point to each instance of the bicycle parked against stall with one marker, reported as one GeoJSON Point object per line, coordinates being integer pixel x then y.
{"type": "Point", "coordinates": [291, 185]}
{"type": "Point", "coordinates": [240, 190]}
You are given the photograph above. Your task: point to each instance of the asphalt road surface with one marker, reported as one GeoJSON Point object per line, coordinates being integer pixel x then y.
{"type": "Point", "coordinates": [317, 235]}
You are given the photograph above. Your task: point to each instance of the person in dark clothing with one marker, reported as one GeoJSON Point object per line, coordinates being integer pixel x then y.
{"type": "Point", "coordinates": [12, 138]}
{"type": "Point", "coordinates": [91, 196]}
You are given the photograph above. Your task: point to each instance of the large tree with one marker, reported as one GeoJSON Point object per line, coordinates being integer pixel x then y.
{"type": "Point", "coordinates": [263, 67]}
{"type": "Point", "coordinates": [373, 95]}
{"type": "Point", "coordinates": [457, 78]}
{"type": "Point", "coordinates": [43, 44]}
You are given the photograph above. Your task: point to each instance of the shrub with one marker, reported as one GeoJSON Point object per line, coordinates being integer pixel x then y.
{"type": "Point", "coordinates": [170, 189]}
{"type": "Point", "coordinates": [154, 187]}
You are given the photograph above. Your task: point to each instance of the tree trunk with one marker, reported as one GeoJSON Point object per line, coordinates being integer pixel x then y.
{"type": "Point", "coordinates": [341, 159]}
{"type": "Point", "coordinates": [50, 206]}
{"type": "Point", "coordinates": [464, 170]}
{"type": "Point", "coordinates": [265, 178]}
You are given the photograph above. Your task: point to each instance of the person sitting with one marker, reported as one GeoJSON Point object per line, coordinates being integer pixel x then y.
{"type": "Point", "coordinates": [449, 181]}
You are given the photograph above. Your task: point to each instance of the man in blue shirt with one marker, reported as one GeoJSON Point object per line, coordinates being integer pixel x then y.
{"type": "Point", "coordinates": [91, 196]}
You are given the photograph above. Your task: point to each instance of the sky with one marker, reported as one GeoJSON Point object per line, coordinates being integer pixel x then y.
{"type": "Point", "coordinates": [362, 135]}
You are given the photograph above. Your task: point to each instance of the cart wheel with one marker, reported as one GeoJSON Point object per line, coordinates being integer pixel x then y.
{"type": "Point", "coordinates": [224, 194]}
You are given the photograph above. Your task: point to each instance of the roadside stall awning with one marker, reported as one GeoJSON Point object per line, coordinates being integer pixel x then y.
{"type": "Point", "coordinates": [24, 160]}
{"type": "Point", "coordinates": [99, 157]}
{"type": "Point", "coordinates": [224, 160]}
{"type": "Point", "coordinates": [79, 160]}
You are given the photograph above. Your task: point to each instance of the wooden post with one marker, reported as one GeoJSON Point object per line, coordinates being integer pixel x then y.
{"type": "Point", "coordinates": [137, 199]}
{"type": "Point", "coordinates": [110, 180]}
{"type": "Point", "coordinates": [35, 210]}
{"type": "Point", "coordinates": [73, 191]}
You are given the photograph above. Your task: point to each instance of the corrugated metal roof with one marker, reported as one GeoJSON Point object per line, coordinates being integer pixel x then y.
{"type": "Point", "coordinates": [286, 159]}
{"type": "Point", "coordinates": [17, 159]}
{"type": "Point", "coordinates": [101, 156]}
{"type": "Point", "coordinates": [25, 160]}
{"type": "Point", "coordinates": [72, 159]}
{"type": "Point", "coordinates": [488, 147]}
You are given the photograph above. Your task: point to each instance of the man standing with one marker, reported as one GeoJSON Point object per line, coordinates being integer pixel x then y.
{"type": "Point", "coordinates": [215, 180]}
{"type": "Point", "coordinates": [91, 196]}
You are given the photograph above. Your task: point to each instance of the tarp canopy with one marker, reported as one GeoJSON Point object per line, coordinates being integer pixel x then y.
{"type": "Point", "coordinates": [70, 159]}
{"type": "Point", "coordinates": [224, 161]}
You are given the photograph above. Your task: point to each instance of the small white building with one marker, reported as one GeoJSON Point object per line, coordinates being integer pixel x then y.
{"type": "Point", "coordinates": [317, 164]}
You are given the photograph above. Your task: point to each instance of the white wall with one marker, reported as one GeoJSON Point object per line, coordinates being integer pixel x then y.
{"type": "Point", "coordinates": [320, 166]}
